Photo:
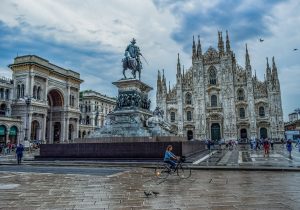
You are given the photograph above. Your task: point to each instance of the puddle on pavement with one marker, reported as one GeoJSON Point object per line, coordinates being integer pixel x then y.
{"type": "Point", "coordinates": [8, 186]}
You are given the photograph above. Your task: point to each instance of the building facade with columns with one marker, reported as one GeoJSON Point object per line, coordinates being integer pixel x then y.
{"type": "Point", "coordinates": [10, 128]}
{"type": "Point", "coordinates": [45, 97]}
{"type": "Point", "coordinates": [218, 99]}
{"type": "Point", "coordinates": [94, 107]}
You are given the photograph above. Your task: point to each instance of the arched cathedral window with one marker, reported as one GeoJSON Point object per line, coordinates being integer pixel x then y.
{"type": "Point", "coordinates": [261, 111]}
{"type": "Point", "coordinates": [189, 116]}
{"type": "Point", "coordinates": [240, 95]}
{"type": "Point", "coordinates": [213, 101]}
{"type": "Point", "coordinates": [212, 76]}
{"type": "Point", "coordinates": [188, 98]}
{"type": "Point", "coordinates": [172, 116]}
{"type": "Point", "coordinates": [242, 113]}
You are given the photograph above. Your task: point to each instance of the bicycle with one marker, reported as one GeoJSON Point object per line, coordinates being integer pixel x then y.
{"type": "Point", "coordinates": [162, 171]}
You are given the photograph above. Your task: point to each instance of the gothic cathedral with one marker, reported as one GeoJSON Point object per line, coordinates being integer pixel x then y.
{"type": "Point", "coordinates": [218, 99]}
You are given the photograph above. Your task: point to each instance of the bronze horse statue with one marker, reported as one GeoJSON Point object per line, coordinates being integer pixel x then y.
{"type": "Point", "coordinates": [133, 65]}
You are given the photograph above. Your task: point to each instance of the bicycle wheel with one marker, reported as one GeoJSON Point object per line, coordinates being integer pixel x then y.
{"type": "Point", "coordinates": [184, 172]}
{"type": "Point", "coordinates": [162, 171]}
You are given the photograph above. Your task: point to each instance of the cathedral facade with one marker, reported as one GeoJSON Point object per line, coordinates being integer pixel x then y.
{"type": "Point", "coordinates": [218, 99]}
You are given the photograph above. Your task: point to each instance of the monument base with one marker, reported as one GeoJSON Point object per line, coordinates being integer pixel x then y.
{"type": "Point", "coordinates": [120, 148]}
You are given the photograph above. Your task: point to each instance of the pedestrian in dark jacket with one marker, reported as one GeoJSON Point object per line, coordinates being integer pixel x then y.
{"type": "Point", "coordinates": [19, 152]}
{"type": "Point", "coordinates": [289, 147]}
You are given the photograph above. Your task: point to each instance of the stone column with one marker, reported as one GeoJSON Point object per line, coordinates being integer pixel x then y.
{"type": "Point", "coordinates": [29, 118]}
{"type": "Point", "coordinates": [67, 129]}
{"type": "Point", "coordinates": [43, 138]}
{"type": "Point", "coordinates": [77, 128]}
{"type": "Point", "coordinates": [62, 129]}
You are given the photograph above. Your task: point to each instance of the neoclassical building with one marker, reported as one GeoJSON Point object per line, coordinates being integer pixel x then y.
{"type": "Point", "coordinates": [45, 97]}
{"type": "Point", "coordinates": [10, 128]}
{"type": "Point", "coordinates": [217, 98]}
{"type": "Point", "coordinates": [94, 107]}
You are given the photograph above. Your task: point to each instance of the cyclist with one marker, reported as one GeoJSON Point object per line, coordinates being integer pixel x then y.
{"type": "Point", "coordinates": [169, 157]}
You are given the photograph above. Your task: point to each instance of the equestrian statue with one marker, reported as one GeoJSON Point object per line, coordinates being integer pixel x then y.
{"type": "Point", "coordinates": [132, 60]}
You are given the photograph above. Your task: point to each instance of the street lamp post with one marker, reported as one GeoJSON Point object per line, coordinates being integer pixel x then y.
{"type": "Point", "coordinates": [28, 102]}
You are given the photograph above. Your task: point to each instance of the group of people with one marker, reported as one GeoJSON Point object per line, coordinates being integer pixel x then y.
{"type": "Point", "coordinates": [7, 149]}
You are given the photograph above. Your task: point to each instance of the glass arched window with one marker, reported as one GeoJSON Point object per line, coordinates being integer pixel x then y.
{"type": "Point", "coordinates": [213, 101]}
{"type": "Point", "coordinates": [34, 92]}
{"type": "Point", "coordinates": [172, 116]}
{"type": "Point", "coordinates": [188, 98]}
{"type": "Point", "coordinates": [22, 90]}
{"type": "Point", "coordinates": [242, 113]}
{"type": "Point", "coordinates": [7, 94]}
{"type": "Point", "coordinates": [18, 91]}
{"type": "Point", "coordinates": [38, 93]}
{"type": "Point", "coordinates": [261, 111]}
{"type": "Point", "coordinates": [240, 95]}
{"type": "Point", "coordinates": [212, 76]}
{"type": "Point", "coordinates": [189, 116]}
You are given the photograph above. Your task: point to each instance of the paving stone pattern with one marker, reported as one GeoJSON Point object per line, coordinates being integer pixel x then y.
{"type": "Point", "coordinates": [204, 190]}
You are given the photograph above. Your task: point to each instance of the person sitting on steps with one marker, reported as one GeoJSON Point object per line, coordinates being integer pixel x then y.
{"type": "Point", "coordinates": [170, 158]}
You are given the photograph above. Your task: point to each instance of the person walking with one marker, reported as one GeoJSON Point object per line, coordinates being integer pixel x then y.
{"type": "Point", "coordinates": [19, 152]}
{"type": "Point", "coordinates": [272, 144]}
{"type": "Point", "coordinates": [289, 147]}
{"type": "Point", "coordinates": [266, 146]}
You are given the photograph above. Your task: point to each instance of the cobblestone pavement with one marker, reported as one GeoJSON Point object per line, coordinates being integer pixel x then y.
{"type": "Point", "coordinates": [244, 156]}
{"type": "Point", "coordinates": [204, 190]}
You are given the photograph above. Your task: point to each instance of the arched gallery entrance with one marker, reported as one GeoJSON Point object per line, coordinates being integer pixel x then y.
{"type": "Point", "coordinates": [13, 135]}
{"type": "Point", "coordinates": [55, 116]}
{"type": "Point", "coordinates": [215, 132]}
{"type": "Point", "coordinates": [35, 130]}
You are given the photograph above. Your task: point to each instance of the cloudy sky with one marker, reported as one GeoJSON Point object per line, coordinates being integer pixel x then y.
{"type": "Point", "coordinates": [90, 36]}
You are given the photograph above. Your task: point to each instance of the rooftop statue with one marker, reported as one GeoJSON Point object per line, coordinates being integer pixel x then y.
{"type": "Point", "coordinates": [132, 59]}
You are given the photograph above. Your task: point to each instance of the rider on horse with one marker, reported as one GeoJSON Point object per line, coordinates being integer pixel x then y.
{"type": "Point", "coordinates": [132, 59]}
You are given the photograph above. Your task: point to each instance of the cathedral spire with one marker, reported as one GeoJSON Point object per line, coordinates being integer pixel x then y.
{"type": "Point", "coordinates": [274, 69]}
{"type": "Point", "coordinates": [194, 48]}
{"type": "Point", "coordinates": [247, 63]}
{"type": "Point", "coordinates": [182, 70]}
{"type": "Point", "coordinates": [169, 87]}
{"type": "Point", "coordinates": [220, 43]}
{"type": "Point", "coordinates": [199, 50]}
{"type": "Point", "coordinates": [158, 83]}
{"type": "Point", "coordinates": [268, 70]}
{"type": "Point", "coordinates": [178, 66]}
{"type": "Point", "coordinates": [227, 43]}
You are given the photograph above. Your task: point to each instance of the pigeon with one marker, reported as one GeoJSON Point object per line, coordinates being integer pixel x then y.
{"type": "Point", "coordinates": [147, 193]}
{"type": "Point", "coordinates": [261, 40]}
{"type": "Point", "coordinates": [155, 193]}
{"type": "Point", "coordinates": [295, 49]}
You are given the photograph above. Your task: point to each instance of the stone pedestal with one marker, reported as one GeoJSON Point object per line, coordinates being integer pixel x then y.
{"type": "Point", "coordinates": [131, 113]}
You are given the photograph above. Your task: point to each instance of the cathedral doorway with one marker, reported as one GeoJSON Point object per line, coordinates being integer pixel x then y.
{"type": "Point", "coordinates": [243, 133]}
{"type": "Point", "coordinates": [215, 132]}
{"type": "Point", "coordinates": [35, 128]}
{"type": "Point", "coordinates": [263, 133]}
{"type": "Point", "coordinates": [190, 135]}
{"type": "Point", "coordinates": [71, 130]}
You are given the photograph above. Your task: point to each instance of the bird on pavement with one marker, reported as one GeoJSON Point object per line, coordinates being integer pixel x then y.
{"type": "Point", "coordinates": [261, 40]}
{"type": "Point", "coordinates": [147, 193]}
{"type": "Point", "coordinates": [155, 193]}
{"type": "Point", "coordinates": [295, 49]}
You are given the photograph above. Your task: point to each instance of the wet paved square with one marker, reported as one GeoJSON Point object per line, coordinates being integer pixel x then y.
{"type": "Point", "coordinates": [125, 190]}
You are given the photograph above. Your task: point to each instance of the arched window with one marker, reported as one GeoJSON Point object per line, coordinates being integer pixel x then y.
{"type": "Point", "coordinates": [34, 92]}
{"type": "Point", "coordinates": [39, 93]}
{"type": "Point", "coordinates": [188, 98]}
{"type": "Point", "coordinates": [172, 116]}
{"type": "Point", "coordinates": [22, 90]}
{"type": "Point", "coordinates": [87, 120]}
{"type": "Point", "coordinates": [261, 111]}
{"type": "Point", "coordinates": [212, 76]}
{"type": "Point", "coordinates": [242, 113]}
{"type": "Point", "coordinates": [7, 94]}
{"type": "Point", "coordinates": [1, 93]}
{"type": "Point", "coordinates": [240, 95]}
{"type": "Point", "coordinates": [189, 116]}
{"type": "Point", "coordinates": [18, 91]}
{"type": "Point", "coordinates": [213, 101]}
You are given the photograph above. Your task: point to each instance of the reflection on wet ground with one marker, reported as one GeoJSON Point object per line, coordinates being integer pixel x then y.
{"type": "Point", "coordinates": [125, 190]}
